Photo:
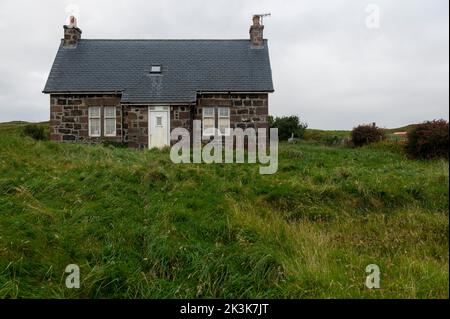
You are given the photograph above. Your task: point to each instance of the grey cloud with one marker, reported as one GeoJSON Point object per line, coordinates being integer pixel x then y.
{"type": "Point", "coordinates": [328, 67]}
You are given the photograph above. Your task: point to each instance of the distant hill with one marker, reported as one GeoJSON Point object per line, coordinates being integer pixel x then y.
{"type": "Point", "coordinates": [317, 134]}
{"type": "Point", "coordinates": [22, 122]}
{"type": "Point", "coordinates": [14, 122]}
{"type": "Point", "coordinates": [400, 129]}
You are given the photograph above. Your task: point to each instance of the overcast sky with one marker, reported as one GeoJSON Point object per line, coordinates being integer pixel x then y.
{"type": "Point", "coordinates": [328, 66]}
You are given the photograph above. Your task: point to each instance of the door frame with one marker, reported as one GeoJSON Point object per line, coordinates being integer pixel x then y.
{"type": "Point", "coordinates": [158, 109]}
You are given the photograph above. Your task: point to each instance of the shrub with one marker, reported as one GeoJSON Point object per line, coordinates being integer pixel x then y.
{"type": "Point", "coordinates": [332, 140]}
{"type": "Point", "coordinates": [37, 132]}
{"type": "Point", "coordinates": [114, 144]}
{"type": "Point", "coordinates": [288, 125]}
{"type": "Point", "coordinates": [366, 134]}
{"type": "Point", "coordinates": [429, 140]}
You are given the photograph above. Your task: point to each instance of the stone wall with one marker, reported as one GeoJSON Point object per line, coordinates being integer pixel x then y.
{"type": "Point", "coordinates": [246, 110]}
{"type": "Point", "coordinates": [181, 116]}
{"type": "Point", "coordinates": [135, 126]}
{"type": "Point", "coordinates": [69, 117]}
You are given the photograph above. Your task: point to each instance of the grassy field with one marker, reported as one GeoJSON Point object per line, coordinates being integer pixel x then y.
{"type": "Point", "coordinates": [141, 227]}
{"type": "Point", "coordinates": [314, 134]}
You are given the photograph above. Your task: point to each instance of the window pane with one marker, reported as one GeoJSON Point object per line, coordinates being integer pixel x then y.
{"type": "Point", "coordinates": [110, 112]}
{"type": "Point", "coordinates": [224, 126]}
{"type": "Point", "coordinates": [94, 111]}
{"type": "Point", "coordinates": [155, 69]}
{"type": "Point", "coordinates": [94, 126]}
{"type": "Point", "coordinates": [224, 112]}
{"type": "Point", "coordinates": [208, 126]}
{"type": "Point", "coordinates": [208, 122]}
{"type": "Point", "coordinates": [110, 127]}
{"type": "Point", "coordinates": [208, 131]}
{"type": "Point", "coordinates": [208, 112]}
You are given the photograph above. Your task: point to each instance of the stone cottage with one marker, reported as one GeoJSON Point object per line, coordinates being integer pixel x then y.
{"type": "Point", "coordinates": [137, 91]}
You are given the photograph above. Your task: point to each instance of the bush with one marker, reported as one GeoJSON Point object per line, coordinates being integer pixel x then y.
{"type": "Point", "coordinates": [331, 140]}
{"type": "Point", "coordinates": [114, 144]}
{"type": "Point", "coordinates": [428, 140]}
{"type": "Point", "coordinates": [288, 125]}
{"type": "Point", "coordinates": [366, 134]}
{"type": "Point", "coordinates": [36, 132]}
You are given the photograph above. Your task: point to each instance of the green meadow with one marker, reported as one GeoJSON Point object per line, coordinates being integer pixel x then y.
{"type": "Point", "coordinates": [140, 226]}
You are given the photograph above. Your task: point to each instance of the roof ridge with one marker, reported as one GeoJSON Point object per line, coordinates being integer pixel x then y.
{"type": "Point", "coordinates": [83, 39]}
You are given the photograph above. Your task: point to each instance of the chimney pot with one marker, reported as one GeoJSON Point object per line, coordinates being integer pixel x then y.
{"type": "Point", "coordinates": [256, 20]}
{"type": "Point", "coordinates": [73, 22]}
{"type": "Point", "coordinates": [72, 34]}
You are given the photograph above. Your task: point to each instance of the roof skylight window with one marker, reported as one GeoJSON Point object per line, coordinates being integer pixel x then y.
{"type": "Point", "coordinates": [155, 69]}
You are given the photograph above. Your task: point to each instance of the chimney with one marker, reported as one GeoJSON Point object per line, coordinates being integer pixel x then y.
{"type": "Point", "coordinates": [71, 33]}
{"type": "Point", "coordinates": [256, 32]}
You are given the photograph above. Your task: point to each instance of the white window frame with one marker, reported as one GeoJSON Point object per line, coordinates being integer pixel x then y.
{"type": "Point", "coordinates": [222, 117]}
{"type": "Point", "coordinates": [213, 116]}
{"type": "Point", "coordinates": [110, 118]}
{"type": "Point", "coordinates": [98, 118]}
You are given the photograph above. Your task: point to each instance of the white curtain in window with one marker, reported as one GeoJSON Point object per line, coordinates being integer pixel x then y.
{"type": "Point", "coordinates": [110, 121]}
{"type": "Point", "coordinates": [94, 121]}
{"type": "Point", "coordinates": [224, 120]}
{"type": "Point", "coordinates": [208, 121]}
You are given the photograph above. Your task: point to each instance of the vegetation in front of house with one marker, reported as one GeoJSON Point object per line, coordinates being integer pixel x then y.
{"type": "Point", "coordinates": [140, 226]}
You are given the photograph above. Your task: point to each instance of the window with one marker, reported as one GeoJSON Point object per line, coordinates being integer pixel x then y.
{"type": "Point", "coordinates": [110, 121]}
{"type": "Point", "coordinates": [159, 121]}
{"type": "Point", "coordinates": [224, 121]}
{"type": "Point", "coordinates": [155, 69]}
{"type": "Point", "coordinates": [208, 121]}
{"type": "Point", "coordinates": [94, 121]}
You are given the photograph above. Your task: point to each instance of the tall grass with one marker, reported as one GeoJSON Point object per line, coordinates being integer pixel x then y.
{"type": "Point", "coordinates": [141, 227]}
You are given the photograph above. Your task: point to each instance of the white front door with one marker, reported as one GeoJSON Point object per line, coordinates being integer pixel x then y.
{"type": "Point", "coordinates": [158, 128]}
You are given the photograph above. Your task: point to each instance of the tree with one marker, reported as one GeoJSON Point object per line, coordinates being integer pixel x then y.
{"type": "Point", "coordinates": [287, 125]}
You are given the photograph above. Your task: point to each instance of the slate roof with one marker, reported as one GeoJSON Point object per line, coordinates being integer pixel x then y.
{"type": "Point", "coordinates": [188, 67]}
